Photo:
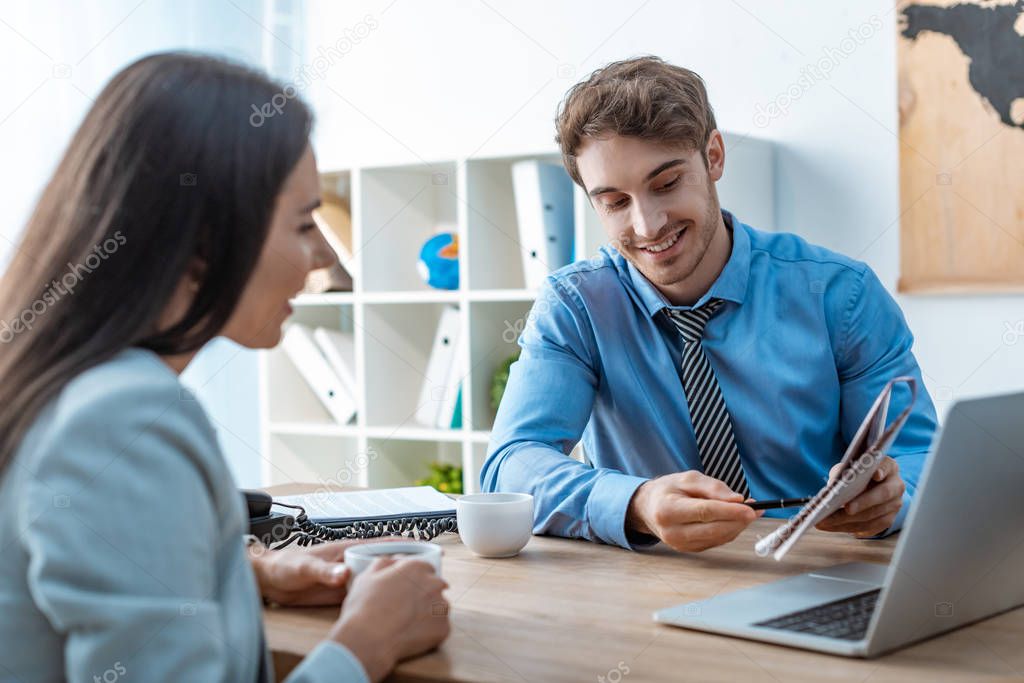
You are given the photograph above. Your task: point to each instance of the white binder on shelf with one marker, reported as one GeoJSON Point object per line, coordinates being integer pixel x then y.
{"type": "Point", "coordinates": [439, 395]}
{"type": "Point", "coordinates": [339, 348]}
{"type": "Point", "coordinates": [544, 211]}
{"type": "Point", "coordinates": [304, 353]}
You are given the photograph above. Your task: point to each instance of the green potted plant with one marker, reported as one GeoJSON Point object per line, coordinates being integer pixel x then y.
{"type": "Point", "coordinates": [443, 477]}
{"type": "Point", "coordinates": [500, 379]}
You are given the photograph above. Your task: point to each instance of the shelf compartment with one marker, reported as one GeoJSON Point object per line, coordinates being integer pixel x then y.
{"type": "Point", "coordinates": [289, 398]}
{"type": "Point", "coordinates": [401, 208]}
{"type": "Point", "coordinates": [494, 332]}
{"type": "Point", "coordinates": [307, 458]}
{"type": "Point", "coordinates": [495, 259]}
{"type": "Point", "coordinates": [399, 339]}
{"type": "Point", "coordinates": [336, 212]}
{"type": "Point", "coordinates": [494, 253]}
{"type": "Point", "coordinates": [400, 462]}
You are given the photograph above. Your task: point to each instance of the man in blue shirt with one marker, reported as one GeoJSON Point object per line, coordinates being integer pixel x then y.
{"type": "Point", "coordinates": [703, 362]}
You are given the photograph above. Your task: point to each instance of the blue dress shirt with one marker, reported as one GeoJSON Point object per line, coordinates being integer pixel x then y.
{"type": "Point", "coordinates": [805, 341]}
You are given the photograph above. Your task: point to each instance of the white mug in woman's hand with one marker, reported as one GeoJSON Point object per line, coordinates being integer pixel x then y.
{"type": "Point", "coordinates": [359, 557]}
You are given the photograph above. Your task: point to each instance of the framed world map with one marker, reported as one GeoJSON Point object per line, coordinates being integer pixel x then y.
{"type": "Point", "coordinates": [961, 101]}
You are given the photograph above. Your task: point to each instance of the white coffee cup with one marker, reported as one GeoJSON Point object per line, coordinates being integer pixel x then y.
{"type": "Point", "coordinates": [359, 557]}
{"type": "Point", "coordinates": [495, 524]}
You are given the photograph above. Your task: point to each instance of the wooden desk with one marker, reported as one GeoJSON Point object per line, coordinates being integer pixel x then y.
{"type": "Point", "coordinates": [567, 610]}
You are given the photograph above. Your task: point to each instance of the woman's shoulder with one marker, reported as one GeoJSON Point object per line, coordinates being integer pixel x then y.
{"type": "Point", "coordinates": [113, 403]}
{"type": "Point", "coordinates": [130, 373]}
{"type": "Point", "coordinates": [134, 384]}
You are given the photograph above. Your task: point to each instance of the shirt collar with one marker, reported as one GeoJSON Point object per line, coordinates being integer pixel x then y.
{"type": "Point", "coordinates": [730, 285]}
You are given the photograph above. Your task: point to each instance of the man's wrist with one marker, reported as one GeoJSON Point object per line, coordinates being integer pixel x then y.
{"type": "Point", "coordinates": [634, 515]}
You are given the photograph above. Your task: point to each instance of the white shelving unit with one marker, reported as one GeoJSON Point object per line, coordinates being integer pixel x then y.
{"type": "Point", "coordinates": [394, 315]}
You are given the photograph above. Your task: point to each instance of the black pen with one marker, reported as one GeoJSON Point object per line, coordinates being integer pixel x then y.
{"type": "Point", "coordinates": [776, 504]}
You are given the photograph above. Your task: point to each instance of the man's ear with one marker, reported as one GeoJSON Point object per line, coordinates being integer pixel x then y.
{"type": "Point", "coordinates": [714, 154]}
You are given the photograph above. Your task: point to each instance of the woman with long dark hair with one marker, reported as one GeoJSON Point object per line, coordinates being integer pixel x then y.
{"type": "Point", "coordinates": [170, 220]}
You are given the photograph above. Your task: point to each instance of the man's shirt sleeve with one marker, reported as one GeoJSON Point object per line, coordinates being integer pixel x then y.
{"type": "Point", "coordinates": [874, 346]}
{"type": "Point", "coordinates": [546, 405]}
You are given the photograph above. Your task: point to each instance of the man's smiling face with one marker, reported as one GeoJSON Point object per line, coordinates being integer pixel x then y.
{"type": "Point", "coordinates": [656, 201]}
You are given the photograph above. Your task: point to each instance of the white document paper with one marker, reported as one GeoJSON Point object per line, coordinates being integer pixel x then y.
{"type": "Point", "coordinates": [862, 458]}
{"type": "Point", "coordinates": [350, 505]}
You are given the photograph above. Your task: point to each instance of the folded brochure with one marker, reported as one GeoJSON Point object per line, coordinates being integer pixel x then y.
{"type": "Point", "coordinates": [863, 456]}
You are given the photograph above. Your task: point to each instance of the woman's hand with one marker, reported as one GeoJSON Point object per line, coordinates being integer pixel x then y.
{"type": "Point", "coordinates": [298, 575]}
{"type": "Point", "coordinates": [395, 610]}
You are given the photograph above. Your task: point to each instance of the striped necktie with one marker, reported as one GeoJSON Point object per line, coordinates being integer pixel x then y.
{"type": "Point", "coordinates": [711, 422]}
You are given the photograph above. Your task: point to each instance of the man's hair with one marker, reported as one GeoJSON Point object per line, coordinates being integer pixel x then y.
{"type": "Point", "coordinates": [645, 98]}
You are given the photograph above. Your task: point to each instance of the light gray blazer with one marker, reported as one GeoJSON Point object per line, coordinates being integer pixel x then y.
{"type": "Point", "coordinates": [121, 553]}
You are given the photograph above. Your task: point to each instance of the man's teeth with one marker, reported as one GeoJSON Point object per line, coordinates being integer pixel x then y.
{"type": "Point", "coordinates": [662, 246]}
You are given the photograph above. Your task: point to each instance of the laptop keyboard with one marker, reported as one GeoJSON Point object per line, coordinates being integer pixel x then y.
{"type": "Point", "coordinates": [846, 619]}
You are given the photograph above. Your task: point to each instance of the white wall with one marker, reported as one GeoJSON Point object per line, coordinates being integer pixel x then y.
{"type": "Point", "coordinates": [447, 78]}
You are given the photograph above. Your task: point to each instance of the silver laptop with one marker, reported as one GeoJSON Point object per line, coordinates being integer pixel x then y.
{"type": "Point", "coordinates": [959, 559]}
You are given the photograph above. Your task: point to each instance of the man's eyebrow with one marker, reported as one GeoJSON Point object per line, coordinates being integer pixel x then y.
{"type": "Point", "coordinates": [601, 190]}
{"type": "Point", "coordinates": [668, 164]}
{"type": "Point", "coordinates": [664, 166]}
{"type": "Point", "coordinates": [309, 207]}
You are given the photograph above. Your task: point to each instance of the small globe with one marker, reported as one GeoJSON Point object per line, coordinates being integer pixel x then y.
{"type": "Point", "coordinates": [439, 261]}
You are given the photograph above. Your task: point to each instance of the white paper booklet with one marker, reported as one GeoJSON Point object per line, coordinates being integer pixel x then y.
{"type": "Point", "coordinates": [862, 458]}
{"type": "Point", "coordinates": [329, 507]}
